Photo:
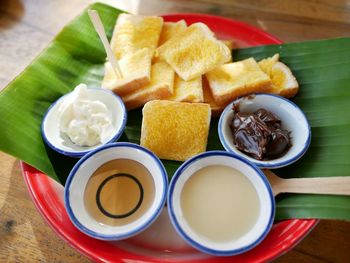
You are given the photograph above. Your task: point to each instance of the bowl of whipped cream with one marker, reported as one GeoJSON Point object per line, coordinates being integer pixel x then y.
{"type": "Point", "coordinates": [83, 120]}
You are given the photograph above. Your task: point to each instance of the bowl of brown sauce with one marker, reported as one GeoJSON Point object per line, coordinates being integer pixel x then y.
{"type": "Point", "coordinates": [268, 130]}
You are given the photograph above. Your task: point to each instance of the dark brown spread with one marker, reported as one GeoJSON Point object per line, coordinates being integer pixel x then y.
{"type": "Point", "coordinates": [259, 134]}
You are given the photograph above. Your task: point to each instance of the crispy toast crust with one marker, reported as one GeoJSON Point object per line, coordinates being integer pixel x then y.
{"type": "Point", "coordinates": [216, 108]}
{"type": "Point", "coordinates": [132, 33]}
{"type": "Point", "coordinates": [140, 98]}
{"type": "Point", "coordinates": [171, 29]}
{"type": "Point", "coordinates": [126, 86]}
{"type": "Point", "coordinates": [236, 79]}
{"type": "Point", "coordinates": [175, 130]}
{"type": "Point", "coordinates": [136, 68]}
{"type": "Point", "coordinates": [160, 87]}
{"type": "Point", "coordinates": [194, 52]}
{"type": "Point", "coordinates": [187, 91]}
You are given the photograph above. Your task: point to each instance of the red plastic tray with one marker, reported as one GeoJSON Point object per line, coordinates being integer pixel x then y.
{"type": "Point", "coordinates": [160, 242]}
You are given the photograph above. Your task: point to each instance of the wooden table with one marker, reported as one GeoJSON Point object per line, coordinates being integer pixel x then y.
{"type": "Point", "coordinates": [26, 28]}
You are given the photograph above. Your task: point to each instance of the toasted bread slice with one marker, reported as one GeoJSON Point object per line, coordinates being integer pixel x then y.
{"type": "Point", "coordinates": [175, 130]}
{"type": "Point", "coordinates": [230, 43]}
{"type": "Point", "coordinates": [232, 80]}
{"type": "Point", "coordinates": [136, 69]}
{"type": "Point", "coordinates": [132, 33]}
{"type": "Point", "coordinates": [160, 87]}
{"type": "Point", "coordinates": [216, 108]}
{"type": "Point", "coordinates": [267, 63]}
{"type": "Point", "coordinates": [187, 91]}
{"type": "Point", "coordinates": [171, 29]}
{"type": "Point", "coordinates": [283, 81]}
{"type": "Point", "coordinates": [194, 52]}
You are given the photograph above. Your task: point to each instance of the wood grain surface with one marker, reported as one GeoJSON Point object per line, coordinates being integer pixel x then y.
{"type": "Point", "coordinates": [26, 27]}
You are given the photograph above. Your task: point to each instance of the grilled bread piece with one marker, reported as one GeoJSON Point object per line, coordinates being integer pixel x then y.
{"type": "Point", "coordinates": [132, 33]}
{"type": "Point", "coordinates": [175, 130]}
{"type": "Point", "coordinates": [187, 91]}
{"type": "Point", "coordinates": [216, 108]}
{"type": "Point", "coordinates": [160, 87]}
{"type": "Point", "coordinates": [232, 80]}
{"type": "Point", "coordinates": [171, 29]}
{"type": "Point", "coordinates": [283, 81]}
{"type": "Point", "coordinates": [194, 52]}
{"type": "Point", "coordinates": [136, 69]}
{"type": "Point", "coordinates": [230, 43]}
{"type": "Point", "coordinates": [267, 63]}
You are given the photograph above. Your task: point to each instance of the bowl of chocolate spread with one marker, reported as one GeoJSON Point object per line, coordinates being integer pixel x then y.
{"type": "Point", "coordinates": [266, 129]}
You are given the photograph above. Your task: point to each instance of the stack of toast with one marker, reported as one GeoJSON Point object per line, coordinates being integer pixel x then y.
{"type": "Point", "coordinates": [177, 62]}
{"type": "Point", "coordinates": [184, 75]}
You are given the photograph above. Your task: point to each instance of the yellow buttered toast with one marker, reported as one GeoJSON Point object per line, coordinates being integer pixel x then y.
{"type": "Point", "coordinates": [194, 52]}
{"type": "Point", "coordinates": [232, 80]}
{"type": "Point", "coordinates": [132, 33]}
{"type": "Point", "coordinates": [175, 130]}
{"type": "Point", "coordinates": [160, 87]}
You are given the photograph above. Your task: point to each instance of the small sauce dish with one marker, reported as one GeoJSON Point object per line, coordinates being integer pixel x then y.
{"type": "Point", "coordinates": [61, 143]}
{"type": "Point", "coordinates": [107, 195]}
{"type": "Point", "coordinates": [221, 212]}
{"type": "Point", "coordinates": [292, 119]}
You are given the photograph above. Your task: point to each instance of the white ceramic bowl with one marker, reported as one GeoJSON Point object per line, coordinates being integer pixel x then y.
{"type": "Point", "coordinates": [293, 120]}
{"type": "Point", "coordinates": [61, 143]}
{"type": "Point", "coordinates": [256, 177]}
{"type": "Point", "coordinates": [86, 166]}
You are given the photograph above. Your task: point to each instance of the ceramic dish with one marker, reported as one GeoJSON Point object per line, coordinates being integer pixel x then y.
{"type": "Point", "coordinates": [293, 120]}
{"type": "Point", "coordinates": [61, 143]}
{"type": "Point", "coordinates": [256, 177]}
{"type": "Point", "coordinates": [84, 169]}
{"type": "Point", "coordinates": [160, 242]}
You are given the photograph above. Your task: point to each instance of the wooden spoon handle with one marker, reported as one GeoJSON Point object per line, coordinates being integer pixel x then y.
{"type": "Point", "coordinates": [319, 185]}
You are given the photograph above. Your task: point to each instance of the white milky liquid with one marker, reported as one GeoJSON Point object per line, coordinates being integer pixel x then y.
{"type": "Point", "coordinates": [220, 203]}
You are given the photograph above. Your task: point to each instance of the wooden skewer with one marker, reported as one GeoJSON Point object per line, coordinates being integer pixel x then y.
{"type": "Point", "coordinates": [317, 185]}
{"type": "Point", "coordinates": [96, 21]}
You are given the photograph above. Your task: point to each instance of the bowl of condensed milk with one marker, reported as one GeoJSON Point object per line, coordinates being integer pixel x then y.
{"type": "Point", "coordinates": [116, 191]}
{"type": "Point", "coordinates": [220, 203]}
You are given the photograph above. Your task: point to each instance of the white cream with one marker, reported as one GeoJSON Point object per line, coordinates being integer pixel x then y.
{"type": "Point", "coordinates": [87, 122]}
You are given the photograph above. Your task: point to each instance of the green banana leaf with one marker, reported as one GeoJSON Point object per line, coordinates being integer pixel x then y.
{"type": "Point", "coordinates": [76, 55]}
{"type": "Point", "coordinates": [322, 69]}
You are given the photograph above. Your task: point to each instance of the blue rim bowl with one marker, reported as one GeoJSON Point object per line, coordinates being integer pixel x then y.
{"type": "Point", "coordinates": [292, 117]}
{"type": "Point", "coordinates": [62, 144]}
{"type": "Point", "coordinates": [86, 166]}
{"type": "Point", "coordinates": [253, 173]}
